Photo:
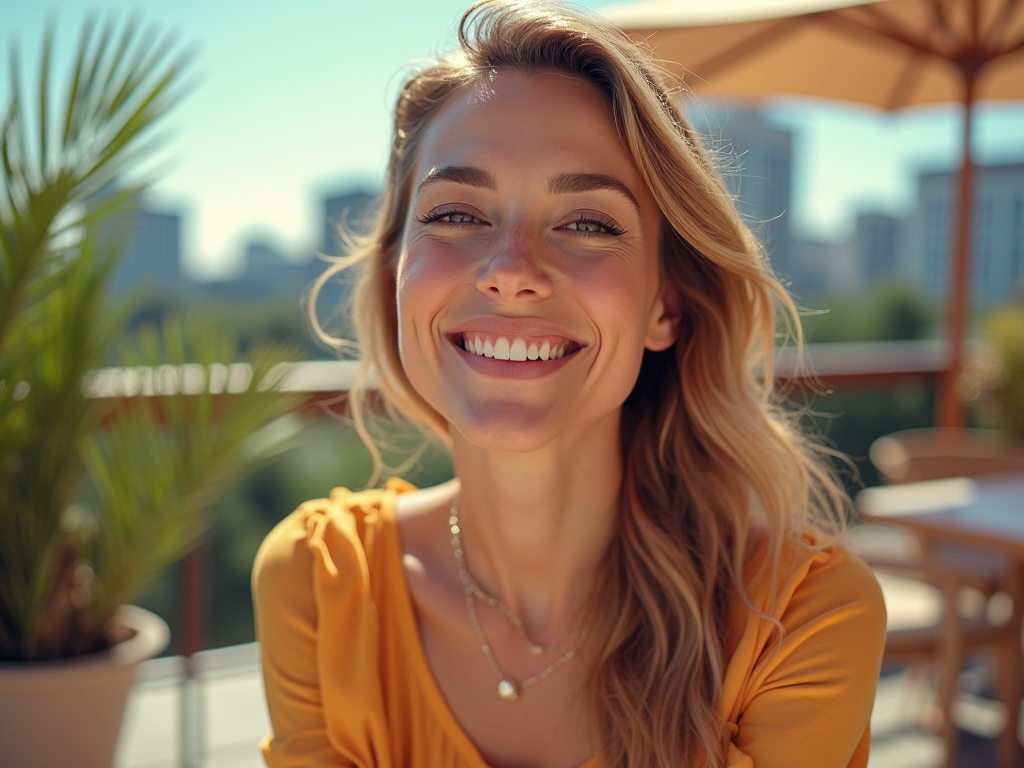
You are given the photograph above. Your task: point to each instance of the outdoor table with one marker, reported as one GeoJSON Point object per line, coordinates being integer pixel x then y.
{"type": "Point", "coordinates": [986, 514]}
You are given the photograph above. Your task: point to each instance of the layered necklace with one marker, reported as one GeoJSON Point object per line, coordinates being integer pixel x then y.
{"type": "Point", "coordinates": [508, 689]}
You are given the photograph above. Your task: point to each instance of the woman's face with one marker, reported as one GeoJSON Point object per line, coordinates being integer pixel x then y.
{"type": "Point", "coordinates": [527, 285]}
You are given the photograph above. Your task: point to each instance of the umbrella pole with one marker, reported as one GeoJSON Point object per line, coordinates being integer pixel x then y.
{"type": "Point", "coordinates": [950, 411]}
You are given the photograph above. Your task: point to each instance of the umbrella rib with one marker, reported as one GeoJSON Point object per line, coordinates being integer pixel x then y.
{"type": "Point", "coordinates": [943, 25]}
{"type": "Point", "coordinates": [905, 83]}
{"type": "Point", "coordinates": [883, 25]}
{"type": "Point", "coordinates": [748, 47]}
{"type": "Point", "coordinates": [1001, 23]}
{"type": "Point", "coordinates": [975, 8]}
{"type": "Point", "coordinates": [844, 22]}
{"type": "Point", "coordinates": [1009, 48]}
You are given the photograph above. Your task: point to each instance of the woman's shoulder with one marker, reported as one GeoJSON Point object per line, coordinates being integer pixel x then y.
{"type": "Point", "coordinates": [814, 586]}
{"type": "Point", "coordinates": [327, 536]}
{"type": "Point", "coordinates": [803, 650]}
{"type": "Point", "coordinates": [805, 567]}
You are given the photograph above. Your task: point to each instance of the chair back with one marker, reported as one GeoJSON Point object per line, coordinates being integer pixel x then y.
{"type": "Point", "coordinates": [913, 455]}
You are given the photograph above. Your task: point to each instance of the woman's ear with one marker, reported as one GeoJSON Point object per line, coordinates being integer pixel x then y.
{"type": "Point", "coordinates": [663, 326]}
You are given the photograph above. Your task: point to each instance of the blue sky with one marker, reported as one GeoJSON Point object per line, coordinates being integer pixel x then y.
{"type": "Point", "coordinates": [293, 100]}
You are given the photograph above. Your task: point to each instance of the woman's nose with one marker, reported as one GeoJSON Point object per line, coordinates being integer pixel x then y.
{"type": "Point", "coordinates": [515, 269]}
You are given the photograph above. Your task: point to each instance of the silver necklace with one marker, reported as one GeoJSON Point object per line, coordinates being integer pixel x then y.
{"type": "Point", "coordinates": [508, 689]}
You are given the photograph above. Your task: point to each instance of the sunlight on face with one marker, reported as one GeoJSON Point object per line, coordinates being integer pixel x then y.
{"type": "Point", "coordinates": [527, 285]}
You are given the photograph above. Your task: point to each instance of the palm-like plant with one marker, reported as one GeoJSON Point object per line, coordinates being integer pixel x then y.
{"type": "Point", "coordinates": [99, 493]}
{"type": "Point", "coordinates": [994, 382]}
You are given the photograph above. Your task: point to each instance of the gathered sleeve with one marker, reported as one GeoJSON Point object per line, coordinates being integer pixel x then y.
{"type": "Point", "coordinates": [806, 702]}
{"type": "Point", "coordinates": [317, 627]}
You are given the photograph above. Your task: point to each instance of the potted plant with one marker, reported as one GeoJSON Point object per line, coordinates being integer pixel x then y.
{"type": "Point", "coordinates": [102, 483]}
{"type": "Point", "coordinates": [994, 382]}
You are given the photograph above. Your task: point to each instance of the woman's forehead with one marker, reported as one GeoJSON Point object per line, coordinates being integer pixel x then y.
{"type": "Point", "coordinates": [515, 120]}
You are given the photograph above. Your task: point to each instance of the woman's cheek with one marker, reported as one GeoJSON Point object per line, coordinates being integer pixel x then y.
{"type": "Point", "coordinates": [613, 293]}
{"type": "Point", "coordinates": [427, 275]}
{"type": "Point", "coordinates": [426, 262]}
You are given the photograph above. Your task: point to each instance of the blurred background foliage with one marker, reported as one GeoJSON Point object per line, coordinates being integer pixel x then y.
{"type": "Point", "coordinates": [993, 383]}
{"type": "Point", "coordinates": [891, 311]}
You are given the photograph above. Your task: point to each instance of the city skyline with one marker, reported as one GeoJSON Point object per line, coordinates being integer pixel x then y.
{"type": "Point", "coordinates": [278, 120]}
{"type": "Point", "coordinates": [911, 249]}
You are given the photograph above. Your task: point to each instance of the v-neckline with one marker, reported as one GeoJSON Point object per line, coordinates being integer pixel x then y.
{"type": "Point", "coordinates": [410, 630]}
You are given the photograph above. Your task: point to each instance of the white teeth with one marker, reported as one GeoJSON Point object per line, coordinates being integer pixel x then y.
{"type": "Point", "coordinates": [501, 350]}
{"type": "Point", "coordinates": [516, 349]}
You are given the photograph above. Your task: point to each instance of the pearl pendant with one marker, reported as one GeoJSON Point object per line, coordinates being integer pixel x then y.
{"type": "Point", "coordinates": [508, 690]}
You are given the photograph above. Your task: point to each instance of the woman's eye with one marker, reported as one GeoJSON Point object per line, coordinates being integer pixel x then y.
{"type": "Point", "coordinates": [450, 217]}
{"type": "Point", "coordinates": [585, 226]}
{"type": "Point", "coordinates": [593, 227]}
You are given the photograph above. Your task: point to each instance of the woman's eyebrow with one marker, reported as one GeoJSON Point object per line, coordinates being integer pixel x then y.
{"type": "Point", "coordinates": [585, 182]}
{"type": "Point", "coordinates": [460, 174]}
{"type": "Point", "coordinates": [563, 183]}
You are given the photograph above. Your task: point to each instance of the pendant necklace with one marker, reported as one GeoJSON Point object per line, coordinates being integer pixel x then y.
{"type": "Point", "coordinates": [508, 689]}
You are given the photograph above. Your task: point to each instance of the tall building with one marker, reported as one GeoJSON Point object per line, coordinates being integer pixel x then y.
{"type": "Point", "coordinates": [347, 211]}
{"type": "Point", "coordinates": [997, 266]}
{"type": "Point", "coordinates": [269, 273]}
{"type": "Point", "coordinates": [151, 260]}
{"type": "Point", "coordinates": [878, 241]}
{"type": "Point", "coordinates": [755, 157]}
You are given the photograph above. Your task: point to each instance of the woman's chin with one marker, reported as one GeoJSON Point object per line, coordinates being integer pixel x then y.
{"type": "Point", "coordinates": [508, 429]}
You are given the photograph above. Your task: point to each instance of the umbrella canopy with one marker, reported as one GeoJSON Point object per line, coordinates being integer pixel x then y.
{"type": "Point", "coordinates": [884, 53]}
{"type": "Point", "coordinates": [889, 54]}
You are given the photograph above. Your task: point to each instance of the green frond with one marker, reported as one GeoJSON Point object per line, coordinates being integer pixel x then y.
{"type": "Point", "coordinates": [55, 322]}
{"type": "Point", "coordinates": [158, 466]}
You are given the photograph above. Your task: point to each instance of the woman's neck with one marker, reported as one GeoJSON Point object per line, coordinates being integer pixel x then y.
{"type": "Point", "coordinates": [536, 526]}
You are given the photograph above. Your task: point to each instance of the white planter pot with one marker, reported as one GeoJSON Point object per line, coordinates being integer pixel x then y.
{"type": "Point", "coordinates": [68, 712]}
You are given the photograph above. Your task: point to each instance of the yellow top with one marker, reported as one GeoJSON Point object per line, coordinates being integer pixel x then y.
{"type": "Point", "coordinates": [347, 682]}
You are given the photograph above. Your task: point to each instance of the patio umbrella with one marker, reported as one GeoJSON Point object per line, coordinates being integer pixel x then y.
{"type": "Point", "coordinates": [886, 53]}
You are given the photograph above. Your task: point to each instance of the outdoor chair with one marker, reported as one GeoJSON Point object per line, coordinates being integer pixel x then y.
{"type": "Point", "coordinates": [971, 586]}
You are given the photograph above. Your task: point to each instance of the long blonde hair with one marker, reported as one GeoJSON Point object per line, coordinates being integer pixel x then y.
{"type": "Point", "coordinates": [707, 446]}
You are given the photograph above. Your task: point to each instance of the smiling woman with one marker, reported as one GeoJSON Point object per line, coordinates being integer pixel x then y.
{"type": "Point", "coordinates": [638, 563]}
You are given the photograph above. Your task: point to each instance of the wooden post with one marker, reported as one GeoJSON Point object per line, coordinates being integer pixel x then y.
{"type": "Point", "coordinates": [193, 591]}
{"type": "Point", "coordinates": [1011, 670]}
{"type": "Point", "coordinates": [192, 600]}
{"type": "Point", "coordinates": [950, 411]}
